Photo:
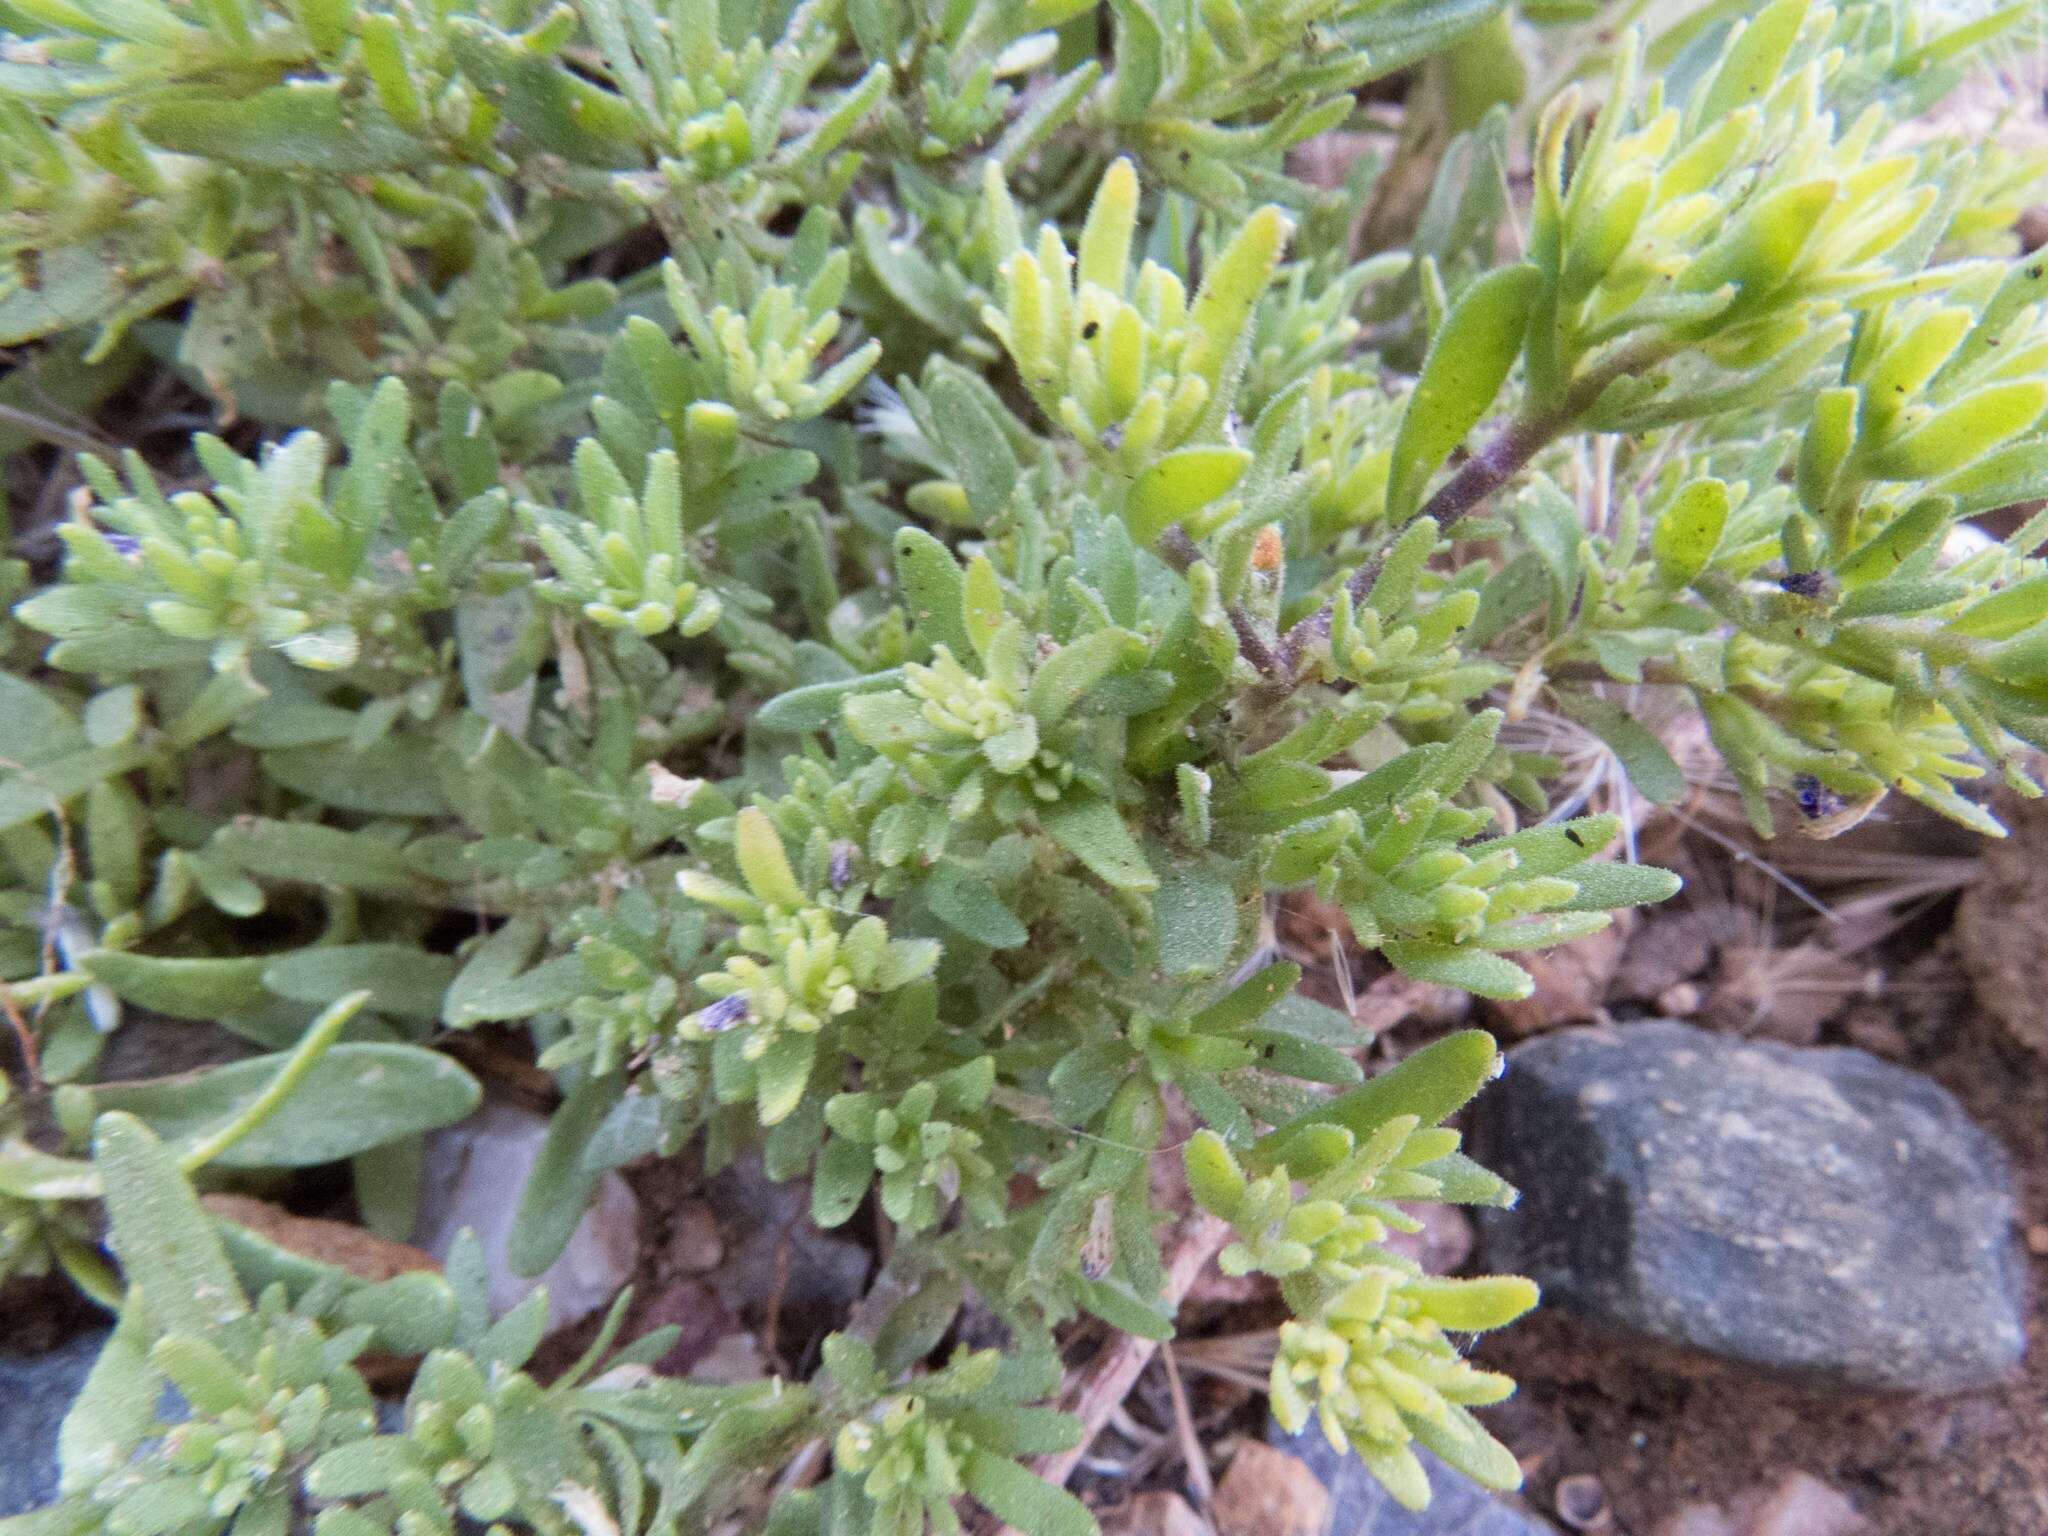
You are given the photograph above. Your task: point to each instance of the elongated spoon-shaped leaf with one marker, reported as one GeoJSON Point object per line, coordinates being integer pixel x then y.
{"type": "Point", "coordinates": [355, 1097]}
{"type": "Point", "coordinates": [1467, 364]}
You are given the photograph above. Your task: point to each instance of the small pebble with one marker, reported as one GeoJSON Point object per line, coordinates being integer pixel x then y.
{"type": "Point", "coordinates": [1680, 1001]}
{"type": "Point", "coordinates": [1581, 1503]}
{"type": "Point", "coordinates": [1267, 1492]}
{"type": "Point", "coordinates": [1154, 1513]}
{"type": "Point", "coordinates": [1805, 1506]}
{"type": "Point", "coordinates": [695, 1245]}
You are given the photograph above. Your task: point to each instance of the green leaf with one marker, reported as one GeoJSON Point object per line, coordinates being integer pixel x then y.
{"type": "Point", "coordinates": [917, 1323]}
{"type": "Point", "coordinates": [80, 283]}
{"type": "Point", "coordinates": [1451, 769]}
{"type": "Point", "coordinates": [303, 125]}
{"type": "Point", "coordinates": [1249, 1001]}
{"type": "Point", "coordinates": [1127, 1313]}
{"type": "Point", "coordinates": [1752, 59]}
{"type": "Point", "coordinates": [36, 791]}
{"type": "Point", "coordinates": [185, 989]}
{"type": "Point", "coordinates": [2006, 612]}
{"type": "Point", "coordinates": [491, 641]}
{"type": "Point", "coordinates": [393, 777]}
{"type": "Point", "coordinates": [1688, 531]}
{"type": "Point", "coordinates": [981, 604]}
{"type": "Point", "coordinates": [1221, 312]}
{"type": "Point", "coordinates": [1173, 488]}
{"type": "Point", "coordinates": [845, 1169]}
{"type": "Point", "coordinates": [1963, 431]}
{"type": "Point", "coordinates": [1603, 887]}
{"type": "Point", "coordinates": [1461, 1181]}
{"type": "Point", "coordinates": [302, 853]}
{"type": "Point", "coordinates": [1214, 1178]}
{"type": "Point", "coordinates": [1093, 832]}
{"type": "Point", "coordinates": [29, 1173]}
{"type": "Point", "coordinates": [1194, 919]}
{"type": "Point", "coordinates": [816, 706]}
{"type": "Point", "coordinates": [1139, 64]}
{"type": "Point", "coordinates": [980, 452]}
{"type": "Point", "coordinates": [362, 1468]}
{"type": "Point", "coordinates": [202, 1373]}
{"type": "Point", "coordinates": [1549, 521]}
{"type": "Point", "coordinates": [494, 960]}
{"type": "Point", "coordinates": [1303, 1018]}
{"type": "Point", "coordinates": [1104, 256]}
{"type": "Point", "coordinates": [259, 1263]}
{"type": "Point", "coordinates": [1461, 1442]}
{"type": "Point", "coordinates": [400, 979]}
{"type": "Point", "coordinates": [115, 1409]}
{"type": "Point", "coordinates": [1432, 1084]}
{"type": "Point", "coordinates": [170, 1254]}
{"type": "Point", "coordinates": [1761, 243]}
{"type": "Point", "coordinates": [1448, 965]}
{"type": "Point", "coordinates": [885, 720]}
{"type": "Point", "coordinates": [1651, 768]}
{"type": "Point", "coordinates": [1083, 1080]}
{"type": "Point", "coordinates": [1468, 361]}
{"type": "Point", "coordinates": [34, 727]}
{"type": "Point", "coordinates": [1021, 1430]}
{"type": "Point", "coordinates": [1511, 594]}
{"type": "Point", "coordinates": [412, 1313]}
{"type": "Point", "coordinates": [965, 902]}
{"type": "Point", "coordinates": [934, 590]}
{"type": "Point", "coordinates": [1472, 1306]}
{"type": "Point", "coordinates": [557, 110]}
{"type": "Point", "coordinates": [513, 1338]}
{"type": "Point", "coordinates": [782, 1074]}
{"type": "Point", "coordinates": [1064, 678]}
{"type": "Point", "coordinates": [548, 988]}
{"type": "Point", "coordinates": [762, 860]}
{"type": "Point", "coordinates": [558, 1189]}
{"type": "Point", "coordinates": [355, 1097]}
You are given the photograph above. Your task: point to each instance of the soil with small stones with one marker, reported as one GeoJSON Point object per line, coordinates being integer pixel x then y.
{"type": "Point", "coordinates": [1663, 1432]}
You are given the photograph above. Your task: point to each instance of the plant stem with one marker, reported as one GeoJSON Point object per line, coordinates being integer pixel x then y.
{"type": "Point", "coordinates": [51, 988]}
{"type": "Point", "coordinates": [1493, 466]}
{"type": "Point", "coordinates": [1179, 551]}
{"type": "Point", "coordinates": [308, 1051]}
{"type": "Point", "coordinates": [1488, 470]}
{"type": "Point", "coordinates": [1476, 479]}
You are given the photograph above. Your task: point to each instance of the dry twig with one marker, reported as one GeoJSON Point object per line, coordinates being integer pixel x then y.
{"type": "Point", "coordinates": [1196, 1460]}
{"type": "Point", "coordinates": [1097, 1390]}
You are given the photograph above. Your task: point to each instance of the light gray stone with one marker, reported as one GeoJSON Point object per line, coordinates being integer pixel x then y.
{"type": "Point", "coordinates": [475, 1175]}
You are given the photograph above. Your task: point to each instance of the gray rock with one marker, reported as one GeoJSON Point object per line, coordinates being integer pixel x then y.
{"type": "Point", "coordinates": [1359, 1506]}
{"type": "Point", "coordinates": [475, 1175]}
{"type": "Point", "coordinates": [1819, 1214]}
{"type": "Point", "coordinates": [35, 1394]}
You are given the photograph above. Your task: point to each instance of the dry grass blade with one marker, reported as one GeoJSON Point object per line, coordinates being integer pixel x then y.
{"type": "Point", "coordinates": [1099, 1388]}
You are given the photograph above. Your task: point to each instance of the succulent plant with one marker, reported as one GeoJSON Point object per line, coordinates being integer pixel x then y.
{"type": "Point", "coordinates": [828, 563]}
